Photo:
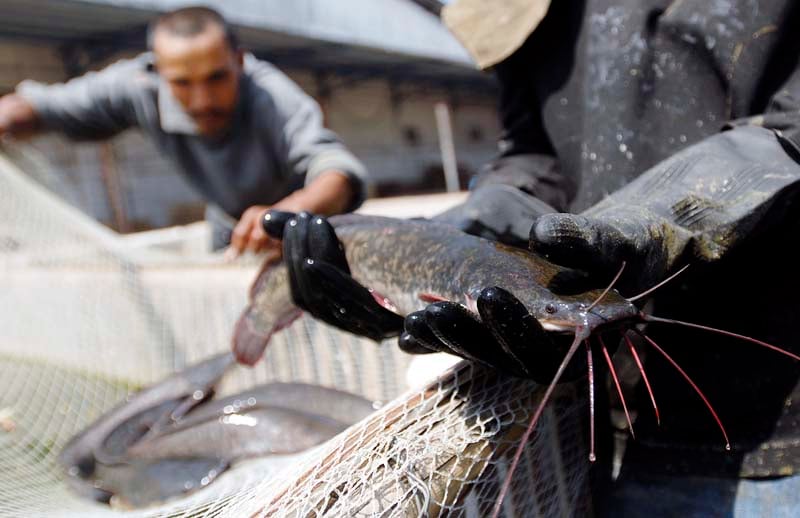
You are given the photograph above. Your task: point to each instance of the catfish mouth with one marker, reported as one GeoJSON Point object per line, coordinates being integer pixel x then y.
{"type": "Point", "coordinates": [558, 326]}
{"type": "Point", "coordinates": [593, 320]}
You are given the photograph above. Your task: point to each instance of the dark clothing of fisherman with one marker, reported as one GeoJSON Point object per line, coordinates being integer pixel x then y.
{"type": "Point", "coordinates": [675, 125]}
{"type": "Point", "coordinates": [242, 133]}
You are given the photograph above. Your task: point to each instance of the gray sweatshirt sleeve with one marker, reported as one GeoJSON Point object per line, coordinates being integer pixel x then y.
{"type": "Point", "coordinates": [93, 106]}
{"type": "Point", "coordinates": [295, 123]}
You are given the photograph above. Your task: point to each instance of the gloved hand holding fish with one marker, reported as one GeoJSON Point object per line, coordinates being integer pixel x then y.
{"type": "Point", "coordinates": [696, 206]}
{"type": "Point", "coordinates": [172, 438]}
{"type": "Point", "coordinates": [327, 272]}
{"type": "Point", "coordinates": [510, 308]}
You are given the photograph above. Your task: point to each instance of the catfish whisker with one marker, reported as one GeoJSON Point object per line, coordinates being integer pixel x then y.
{"type": "Point", "coordinates": [608, 288]}
{"type": "Point", "coordinates": [616, 382]}
{"type": "Point", "coordinates": [644, 376]}
{"type": "Point", "coordinates": [581, 333]}
{"type": "Point", "coordinates": [654, 288]}
{"type": "Point", "coordinates": [650, 318]}
{"type": "Point", "coordinates": [590, 368]}
{"type": "Point", "coordinates": [692, 383]}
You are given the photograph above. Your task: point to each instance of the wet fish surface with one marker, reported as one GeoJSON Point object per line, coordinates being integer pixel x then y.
{"type": "Point", "coordinates": [235, 436]}
{"type": "Point", "coordinates": [171, 438]}
{"type": "Point", "coordinates": [155, 404]}
{"type": "Point", "coordinates": [406, 261]}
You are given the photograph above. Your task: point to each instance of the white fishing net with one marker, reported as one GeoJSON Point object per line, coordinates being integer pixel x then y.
{"type": "Point", "coordinates": [87, 316]}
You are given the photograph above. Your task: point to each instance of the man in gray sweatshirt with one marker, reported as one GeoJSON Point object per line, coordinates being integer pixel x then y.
{"type": "Point", "coordinates": [243, 133]}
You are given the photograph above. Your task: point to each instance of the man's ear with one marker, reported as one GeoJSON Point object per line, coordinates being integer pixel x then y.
{"type": "Point", "coordinates": [240, 58]}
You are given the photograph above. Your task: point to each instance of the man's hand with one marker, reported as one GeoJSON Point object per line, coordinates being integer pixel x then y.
{"type": "Point", "coordinates": [249, 235]}
{"type": "Point", "coordinates": [329, 193]}
{"type": "Point", "coordinates": [17, 117]}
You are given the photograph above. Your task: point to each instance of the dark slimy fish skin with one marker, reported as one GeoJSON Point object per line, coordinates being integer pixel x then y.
{"type": "Point", "coordinates": [407, 262]}
{"type": "Point", "coordinates": [327, 402]}
{"type": "Point", "coordinates": [155, 404]}
{"type": "Point", "coordinates": [235, 436]}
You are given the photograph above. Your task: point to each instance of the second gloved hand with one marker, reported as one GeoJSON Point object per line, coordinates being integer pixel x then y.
{"type": "Point", "coordinates": [698, 205]}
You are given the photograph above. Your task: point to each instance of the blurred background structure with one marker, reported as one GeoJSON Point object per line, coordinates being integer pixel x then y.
{"type": "Point", "coordinates": [378, 69]}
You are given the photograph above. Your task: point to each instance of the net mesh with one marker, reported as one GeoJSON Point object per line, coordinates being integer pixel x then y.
{"type": "Point", "coordinates": [88, 316]}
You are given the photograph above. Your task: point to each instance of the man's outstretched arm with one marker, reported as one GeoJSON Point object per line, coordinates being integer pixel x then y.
{"type": "Point", "coordinates": [94, 106]}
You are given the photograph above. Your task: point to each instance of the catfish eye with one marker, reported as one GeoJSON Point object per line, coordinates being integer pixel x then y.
{"type": "Point", "coordinates": [550, 308]}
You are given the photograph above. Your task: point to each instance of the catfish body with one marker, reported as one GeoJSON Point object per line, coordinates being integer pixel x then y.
{"type": "Point", "coordinates": [125, 423]}
{"type": "Point", "coordinates": [170, 438]}
{"type": "Point", "coordinates": [408, 263]}
{"type": "Point", "coordinates": [276, 418]}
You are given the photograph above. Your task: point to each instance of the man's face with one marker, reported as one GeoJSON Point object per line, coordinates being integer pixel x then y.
{"type": "Point", "coordinates": [202, 72]}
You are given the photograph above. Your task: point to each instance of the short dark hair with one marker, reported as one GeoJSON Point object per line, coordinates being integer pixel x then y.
{"type": "Point", "coordinates": [190, 21]}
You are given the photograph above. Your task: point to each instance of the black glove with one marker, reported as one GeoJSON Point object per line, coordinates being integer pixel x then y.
{"type": "Point", "coordinates": [506, 336]}
{"type": "Point", "coordinates": [320, 277]}
{"type": "Point", "coordinates": [699, 204]}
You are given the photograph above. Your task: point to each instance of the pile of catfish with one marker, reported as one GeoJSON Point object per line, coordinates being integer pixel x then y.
{"type": "Point", "coordinates": [173, 438]}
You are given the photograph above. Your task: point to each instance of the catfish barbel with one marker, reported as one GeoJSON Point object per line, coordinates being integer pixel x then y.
{"type": "Point", "coordinates": [408, 264]}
